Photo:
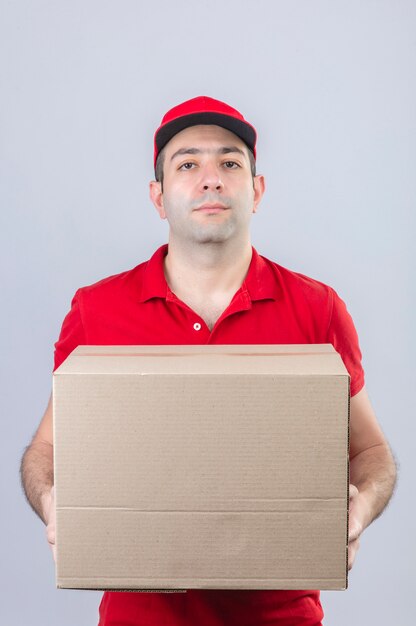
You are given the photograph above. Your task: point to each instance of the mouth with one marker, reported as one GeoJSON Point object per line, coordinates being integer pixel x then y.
{"type": "Point", "coordinates": [211, 208]}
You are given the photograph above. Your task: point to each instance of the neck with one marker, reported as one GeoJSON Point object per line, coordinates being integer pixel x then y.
{"type": "Point", "coordinates": [207, 269]}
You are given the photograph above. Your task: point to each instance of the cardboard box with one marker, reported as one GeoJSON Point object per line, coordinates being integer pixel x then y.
{"type": "Point", "coordinates": [214, 467]}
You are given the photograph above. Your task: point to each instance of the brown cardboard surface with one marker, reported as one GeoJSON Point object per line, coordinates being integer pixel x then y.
{"type": "Point", "coordinates": [217, 467]}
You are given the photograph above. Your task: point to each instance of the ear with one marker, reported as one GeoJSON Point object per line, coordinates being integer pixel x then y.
{"type": "Point", "coordinates": [156, 196]}
{"type": "Point", "coordinates": [259, 185]}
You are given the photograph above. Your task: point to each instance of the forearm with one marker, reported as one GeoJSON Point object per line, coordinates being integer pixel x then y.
{"type": "Point", "coordinates": [373, 472]}
{"type": "Point", "coordinates": [36, 472]}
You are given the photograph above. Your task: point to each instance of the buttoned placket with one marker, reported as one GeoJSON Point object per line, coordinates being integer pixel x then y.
{"type": "Point", "coordinates": [241, 301]}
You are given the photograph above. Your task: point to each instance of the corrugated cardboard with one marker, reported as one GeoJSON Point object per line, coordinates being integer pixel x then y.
{"type": "Point", "coordinates": [215, 467]}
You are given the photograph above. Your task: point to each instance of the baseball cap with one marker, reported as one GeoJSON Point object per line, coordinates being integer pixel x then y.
{"type": "Point", "coordinates": [203, 110]}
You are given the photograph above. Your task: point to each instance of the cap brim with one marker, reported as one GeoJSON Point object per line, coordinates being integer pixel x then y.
{"type": "Point", "coordinates": [243, 130]}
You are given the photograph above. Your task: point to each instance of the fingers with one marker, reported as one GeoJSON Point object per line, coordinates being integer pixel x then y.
{"type": "Point", "coordinates": [354, 532]}
{"type": "Point", "coordinates": [48, 504]}
{"type": "Point", "coordinates": [50, 516]}
{"type": "Point", "coordinates": [352, 552]}
{"type": "Point", "coordinates": [50, 535]}
{"type": "Point", "coordinates": [353, 491]}
{"type": "Point", "coordinates": [355, 527]}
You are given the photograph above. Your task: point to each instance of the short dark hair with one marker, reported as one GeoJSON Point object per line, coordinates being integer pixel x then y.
{"type": "Point", "coordinates": [161, 160]}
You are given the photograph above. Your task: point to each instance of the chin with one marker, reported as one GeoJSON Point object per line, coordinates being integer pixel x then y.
{"type": "Point", "coordinates": [213, 235]}
{"type": "Point", "coordinates": [212, 239]}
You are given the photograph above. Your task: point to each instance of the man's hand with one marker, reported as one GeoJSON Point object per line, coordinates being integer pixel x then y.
{"type": "Point", "coordinates": [372, 470]}
{"type": "Point", "coordinates": [358, 521]}
{"type": "Point", "coordinates": [48, 509]}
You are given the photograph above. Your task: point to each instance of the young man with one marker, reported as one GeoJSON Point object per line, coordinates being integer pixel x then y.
{"type": "Point", "coordinates": [208, 285]}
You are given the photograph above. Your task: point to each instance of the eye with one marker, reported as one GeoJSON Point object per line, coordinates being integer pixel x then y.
{"type": "Point", "coordinates": [231, 165]}
{"type": "Point", "coordinates": [186, 166]}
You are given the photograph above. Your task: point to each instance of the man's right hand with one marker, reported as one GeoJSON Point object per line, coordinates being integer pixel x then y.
{"type": "Point", "coordinates": [48, 508]}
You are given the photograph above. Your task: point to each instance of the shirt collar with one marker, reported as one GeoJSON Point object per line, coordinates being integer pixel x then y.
{"type": "Point", "coordinates": [154, 283]}
{"type": "Point", "coordinates": [260, 282]}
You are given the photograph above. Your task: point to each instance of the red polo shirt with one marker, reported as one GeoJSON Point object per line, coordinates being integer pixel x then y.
{"type": "Point", "coordinates": [273, 306]}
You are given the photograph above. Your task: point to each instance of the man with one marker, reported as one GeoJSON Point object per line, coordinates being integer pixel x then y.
{"type": "Point", "coordinates": [208, 285]}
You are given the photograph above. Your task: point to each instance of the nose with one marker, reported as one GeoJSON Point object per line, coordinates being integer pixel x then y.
{"type": "Point", "coordinates": [211, 178]}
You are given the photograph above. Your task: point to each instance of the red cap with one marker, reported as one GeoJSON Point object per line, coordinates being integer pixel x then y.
{"type": "Point", "coordinates": [203, 110]}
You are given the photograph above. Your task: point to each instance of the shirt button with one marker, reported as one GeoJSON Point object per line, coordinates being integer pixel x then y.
{"type": "Point", "coordinates": [197, 326]}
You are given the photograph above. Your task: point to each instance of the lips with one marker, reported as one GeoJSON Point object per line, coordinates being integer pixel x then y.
{"type": "Point", "coordinates": [211, 208]}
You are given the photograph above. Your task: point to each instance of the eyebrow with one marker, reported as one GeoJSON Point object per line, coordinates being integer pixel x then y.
{"type": "Point", "coordinates": [223, 150]}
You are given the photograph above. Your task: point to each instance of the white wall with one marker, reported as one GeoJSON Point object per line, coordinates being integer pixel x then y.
{"type": "Point", "coordinates": [330, 87]}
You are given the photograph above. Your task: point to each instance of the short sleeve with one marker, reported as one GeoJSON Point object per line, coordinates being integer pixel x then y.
{"type": "Point", "coordinates": [72, 332]}
{"type": "Point", "coordinates": [343, 336]}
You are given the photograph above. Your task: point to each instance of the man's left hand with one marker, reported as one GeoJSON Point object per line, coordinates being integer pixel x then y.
{"type": "Point", "coordinates": [358, 514]}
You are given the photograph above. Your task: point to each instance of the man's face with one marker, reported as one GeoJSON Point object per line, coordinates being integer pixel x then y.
{"type": "Point", "coordinates": [209, 193]}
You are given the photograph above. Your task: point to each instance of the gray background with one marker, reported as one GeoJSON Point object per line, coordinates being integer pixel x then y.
{"type": "Point", "coordinates": [330, 88]}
